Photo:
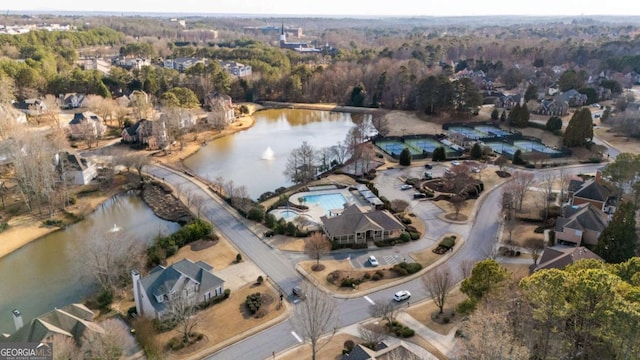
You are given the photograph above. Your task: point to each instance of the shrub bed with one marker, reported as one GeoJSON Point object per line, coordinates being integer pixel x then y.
{"type": "Point", "coordinates": [405, 268]}
{"type": "Point", "coordinates": [253, 302]}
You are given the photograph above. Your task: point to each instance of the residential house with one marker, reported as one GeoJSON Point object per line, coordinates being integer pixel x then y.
{"type": "Point", "coordinates": [559, 257]}
{"type": "Point", "coordinates": [146, 133]}
{"type": "Point", "coordinates": [573, 98]}
{"type": "Point", "coordinates": [580, 224]}
{"type": "Point", "coordinates": [74, 321]}
{"type": "Point", "coordinates": [132, 63]}
{"type": "Point", "coordinates": [357, 226]}
{"type": "Point", "coordinates": [71, 100]}
{"type": "Point", "coordinates": [553, 107]}
{"type": "Point", "coordinates": [76, 169]}
{"type": "Point", "coordinates": [96, 64]}
{"type": "Point", "coordinates": [236, 68]}
{"type": "Point", "coordinates": [193, 282]}
{"type": "Point", "coordinates": [592, 192]}
{"type": "Point", "coordinates": [32, 107]}
{"type": "Point", "coordinates": [184, 119]}
{"type": "Point", "coordinates": [182, 64]}
{"type": "Point", "coordinates": [509, 101]}
{"type": "Point", "coordinates": [220, 106]}
{"type": "Point", "coordinates": [85, 123]}
{"type": "Point", "coordinates": [389, 350]}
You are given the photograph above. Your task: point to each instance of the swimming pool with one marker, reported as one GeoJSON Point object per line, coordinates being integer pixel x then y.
{"type": "Point", "coordinates": [287, 214]}
{"type": "Point", "coordinates": [330, 201]}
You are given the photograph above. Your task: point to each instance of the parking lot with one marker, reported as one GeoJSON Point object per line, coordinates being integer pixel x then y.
{"type": "Point", "coordinates": [383, 261]}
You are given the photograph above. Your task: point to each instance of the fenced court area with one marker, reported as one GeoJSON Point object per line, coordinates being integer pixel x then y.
{"type": "Point", "coordinates": [395, 147]}
{"type": "Point", "coordinates": [424, 144]}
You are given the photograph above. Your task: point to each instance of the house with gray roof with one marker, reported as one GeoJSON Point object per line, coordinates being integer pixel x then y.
{"type": "Point", "coordinates": [580, 224]}
{"type": "Point", "coordinates": [356, 226]}
{"type": "Point", "coordinates": [185, 279]}
{"type": "Point", "coordinates": [559, 257]}
{"type": "Point", "coordinates": [75, 169]}
{"type": "Point", "coordinates": [390, 350]}
{"type": "Point", "coordinates": [74, 321]}
{"type": "Point", "coordinates": [594, 193]}
{"type": "Point", "coordinates": [86, 123]}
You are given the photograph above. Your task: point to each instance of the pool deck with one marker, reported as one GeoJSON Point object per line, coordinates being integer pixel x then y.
{"type": "Point", "coordinates": [316, 211]}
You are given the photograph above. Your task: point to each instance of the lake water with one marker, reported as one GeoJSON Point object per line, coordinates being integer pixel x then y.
{"type": "Point", "coordinates": [46, 273]}
{"type": "Point", "coordinates": [242, 157]}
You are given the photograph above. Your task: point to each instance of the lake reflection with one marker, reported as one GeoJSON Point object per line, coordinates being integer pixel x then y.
{"type": "Point", "coordinates": [47, 273]}
{"type": "Point", "coordinates": [239, 157]}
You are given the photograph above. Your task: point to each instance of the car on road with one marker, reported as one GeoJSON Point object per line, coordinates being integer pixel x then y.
{"type": "Point", "coordinates": [428, 176]}
{"type": "Point", "coordinates": [428, 166]}
{"type": "Point", "coordinates": [455, 163]}
{"type": "Point", "coordinates": [373, 261]}
{"type": "Point", "coordinates": [475, 170]}
{"type": "Point", "coordinates": [405, 187]}
{"type": "Point", "coordinates": [401, 295]}
{"type": "Point", "coordinates": [419, 196]}
{"type": "Point", "coordinates": [297, 291]}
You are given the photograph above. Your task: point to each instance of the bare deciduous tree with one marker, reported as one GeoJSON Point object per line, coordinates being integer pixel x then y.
{"type": "Point", "coordinates": [489, 335]}
{"type": "Point", "coordinates": [51, 110]}
{"type": "Point", "coordinates": [112, 344]}
{"type": "Point", "coordinates": [301, 164]}
{"type": "Point", "coordinates": [314, 317]}
{"type": "Point", "coordinates": [110, 256]}
{"type": "Point", "coordinates": [316, 246]}
{"type": "Point", "coordinates": [387, 311]}
{"type": "Point", "coordinates": [64, 348]}
{"type": "Point", "coordinates": [182, 311]}
{"type": "Point", "coordinates": [508, 211]}
{"type": "Point", "coordinates": [458, 202]}
{"type": "Point", "coordinates": [535, 247]}
{"type": "Point", "coordinates": [519, 185]}
{"type": "Point", "coordinates": [372, 334]}
{"type": "Point", "coordinates": [399, 206]}
{"type": "Point", "coordinates": [439, 283]}
{"type": "Point", "coordinates": [466, 266]}
{"type": "Point", "coordinates": [546, 184]}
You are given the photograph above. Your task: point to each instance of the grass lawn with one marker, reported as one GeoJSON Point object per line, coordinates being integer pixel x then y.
{"type": "Point", "coordinates": [423, 312]}
{"type": "Point", "coordinates": [331, 351]}
{"type": "Point", "coordinates": [219, 254]}
{"type": "Point", "coordinates": [223, 321]}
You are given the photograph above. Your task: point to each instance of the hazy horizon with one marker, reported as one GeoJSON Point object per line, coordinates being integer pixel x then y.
{"type": "Point", "coordinates": [332, 8]}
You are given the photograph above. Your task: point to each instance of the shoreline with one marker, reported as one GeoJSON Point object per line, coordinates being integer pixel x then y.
{"type": "Point", "coordinates": [25, 229]}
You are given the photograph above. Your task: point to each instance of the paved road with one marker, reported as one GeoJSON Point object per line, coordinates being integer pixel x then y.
{"type": "Point", "coordinates": [279, 266]}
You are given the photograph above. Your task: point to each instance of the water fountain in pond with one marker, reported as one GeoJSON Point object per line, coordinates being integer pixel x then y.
{"type": "Point", "coordinates": [115, 228]}
{"type": "Point", "coordinates": [268, 154]}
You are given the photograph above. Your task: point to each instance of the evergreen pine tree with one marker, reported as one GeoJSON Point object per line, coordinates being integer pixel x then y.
{"type": "Point", "coordinates": [618, 241]}
{"type": "Point", "coordinates": [495, 114]}
{"type": "Point", "coordinates": [503, 116]}
{"type": "Point", "coordinates": [405, 157]}
{"type": "Point", "coordinates": [476, 151]}
{"type": "Point", "coordinates": [579, 129]}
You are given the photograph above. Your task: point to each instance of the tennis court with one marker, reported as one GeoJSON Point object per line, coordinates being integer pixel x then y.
{"type": "Point", "coordinates": [528, 146]}
{"type": "Point", "coordinates": [393, 147]}
{"type": "Point", "coordinates": [468, 132]}
{"type": "Point", "coordinates": [425, 144]}
{"type": "Point", "coordinates": [492, 130]}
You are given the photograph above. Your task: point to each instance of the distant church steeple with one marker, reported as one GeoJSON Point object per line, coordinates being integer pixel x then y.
{"type": "Point", "coordinates": [283, 37]}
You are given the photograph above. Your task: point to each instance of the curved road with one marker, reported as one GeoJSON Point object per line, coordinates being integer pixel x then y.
{"type": "Point", "coordinates": [480, 240]}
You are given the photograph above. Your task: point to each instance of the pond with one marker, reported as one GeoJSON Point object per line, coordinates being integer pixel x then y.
{"type": "Point", "coordinates": [47, 273]}
{"type": "Point", "coordinates": [257, 157]}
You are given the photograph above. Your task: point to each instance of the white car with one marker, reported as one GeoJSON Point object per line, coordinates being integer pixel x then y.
{"type": "Point", "coordinates": [406, 187]}
{"type": "Point", "coordinates": [455, 163]}
{"type": "Point", "coordinates": [401, 295]}
{"type": "Point", "coordinates": [475, 170]}
{"type": "Point", "coordinates": [373, 261]}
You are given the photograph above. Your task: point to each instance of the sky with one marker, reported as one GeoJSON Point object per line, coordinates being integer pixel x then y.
{"type": "Point", "coordinates": [340, 7]}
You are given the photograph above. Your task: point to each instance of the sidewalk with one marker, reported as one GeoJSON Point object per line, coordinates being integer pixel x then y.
{"type": "Point", "coordinates": [444, 343]}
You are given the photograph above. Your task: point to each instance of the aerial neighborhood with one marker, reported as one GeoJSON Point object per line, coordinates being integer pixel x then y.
{"type": "Point", "coordinates": [223, 187]}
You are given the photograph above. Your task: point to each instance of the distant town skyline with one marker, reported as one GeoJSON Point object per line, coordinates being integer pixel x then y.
{"type": "Point", "coordinates": [338, 8]}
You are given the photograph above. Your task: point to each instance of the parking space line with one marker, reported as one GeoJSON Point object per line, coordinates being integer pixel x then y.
{"type": "Point", "coordinates": [296, 336]}
{"type": "Point", "coordinates": [369, 300]}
